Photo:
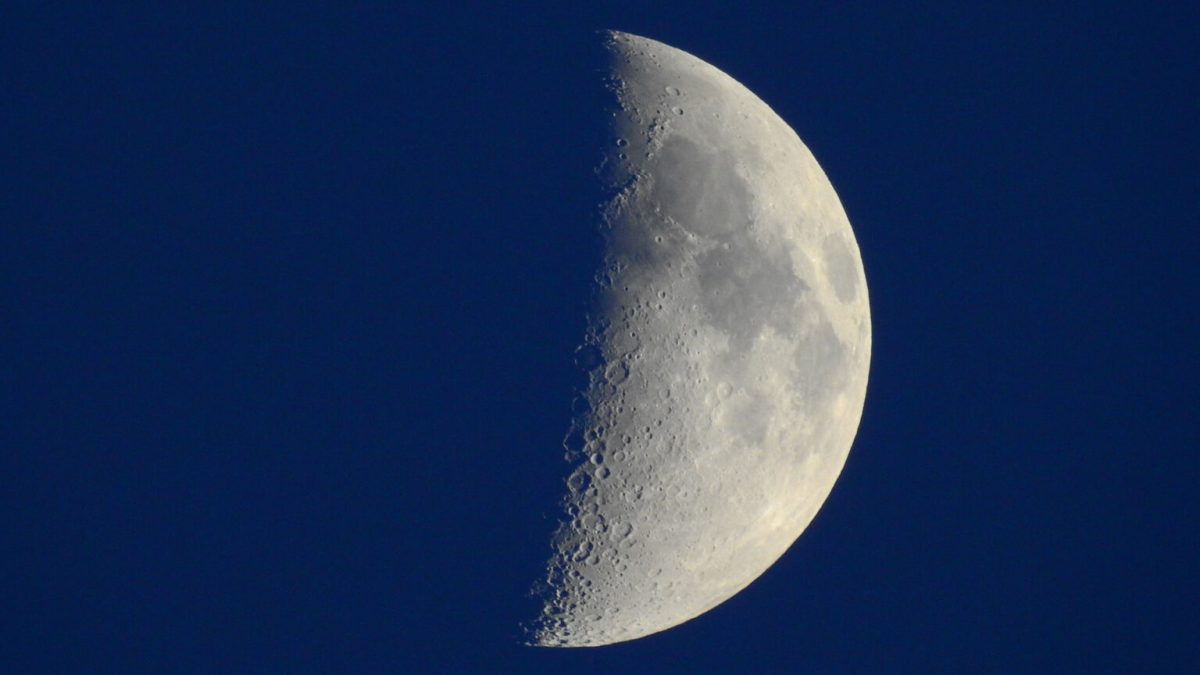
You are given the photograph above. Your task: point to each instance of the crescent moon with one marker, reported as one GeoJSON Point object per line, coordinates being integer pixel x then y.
{"type": "Point", "coordinates": [727, 356]}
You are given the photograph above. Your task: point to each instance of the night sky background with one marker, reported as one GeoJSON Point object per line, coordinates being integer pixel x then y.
{"type": "Point", "coordinates": [289, 295]}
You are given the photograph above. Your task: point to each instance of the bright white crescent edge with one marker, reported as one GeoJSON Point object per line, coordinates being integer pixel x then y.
{"type": "Point", "coordinates": [733, 338]}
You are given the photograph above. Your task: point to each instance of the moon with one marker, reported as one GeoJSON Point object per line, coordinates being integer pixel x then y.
{"type": "Point", "coordinates": [727, 356]}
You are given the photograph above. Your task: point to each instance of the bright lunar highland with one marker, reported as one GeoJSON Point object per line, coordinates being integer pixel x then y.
{"type": "Point", "coordinates": [728, 355]}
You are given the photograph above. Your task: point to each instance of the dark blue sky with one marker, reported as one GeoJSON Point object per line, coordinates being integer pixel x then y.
{"type": "Point", "coordinates": [290, 296]}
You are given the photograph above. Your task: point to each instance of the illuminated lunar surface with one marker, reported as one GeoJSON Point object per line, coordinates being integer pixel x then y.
{"type": "Point", "coordinates": [728, 356]}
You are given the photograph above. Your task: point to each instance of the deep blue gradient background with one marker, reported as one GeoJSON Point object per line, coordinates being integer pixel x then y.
{"type": "Point", "coordinates": [290, 295]}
